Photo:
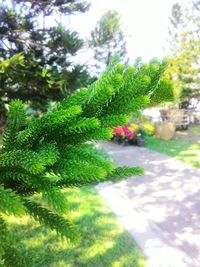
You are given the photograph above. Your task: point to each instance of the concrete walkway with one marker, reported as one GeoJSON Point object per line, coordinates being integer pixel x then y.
{"type": "Point", "coordinates": [160, 209]}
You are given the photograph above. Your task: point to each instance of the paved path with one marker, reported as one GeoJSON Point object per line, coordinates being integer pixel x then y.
{"type": "Point", "coordinates": [160, 209]}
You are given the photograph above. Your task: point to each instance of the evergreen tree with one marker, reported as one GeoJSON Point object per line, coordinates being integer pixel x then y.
{"type": "Point", "coordinates": [46, 154]}
{"type": "Point", "coordinates": [108, 39]}
{"type": "Point", "coordinates": [184, 42]}
{"type": "Point", "coordinates": [49, 71]}
{"type": "Point", "coordinates": [176, 27]}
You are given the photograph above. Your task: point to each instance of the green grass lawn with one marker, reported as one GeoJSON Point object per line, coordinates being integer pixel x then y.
{"type": "Point", "coordinates": [104, 242]}
{"type": "Point", "coordinates": [185, 147]}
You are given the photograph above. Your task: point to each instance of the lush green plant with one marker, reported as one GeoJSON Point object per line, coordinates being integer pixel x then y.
{"type": "Point", "coordinates": [45, 154]}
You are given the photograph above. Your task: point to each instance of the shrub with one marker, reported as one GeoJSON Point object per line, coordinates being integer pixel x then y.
{"type": "Point", "coordinates": [142, 123]}
{"type": "Point", "coordinates": [148, 128]}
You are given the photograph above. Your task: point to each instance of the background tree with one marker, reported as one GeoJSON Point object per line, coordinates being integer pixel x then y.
{"type": "Point", "coordinates": [46, 154]}
{"type": "Point", "coordinates": [108, 39]}
{"type": "Point", "coordinates": [49, 71]}
{"type": "Point", "coordinates": [9, 68]}
{"type": "Point", "coordinates": [176, 27]}
{"type": "Point", "coordinates": [184, 52]}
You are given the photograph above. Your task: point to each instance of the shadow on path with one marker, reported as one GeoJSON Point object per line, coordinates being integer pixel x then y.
{"type": "Point", "coordinates": [167, 196]}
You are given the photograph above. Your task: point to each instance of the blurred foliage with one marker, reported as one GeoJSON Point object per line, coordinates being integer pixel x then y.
{"type": "Point", "coordinates": [184, 54]}
{"type": "Point", "coordinates": [108, 39]}
{"type": "Point", "coordinates": [48, 72]}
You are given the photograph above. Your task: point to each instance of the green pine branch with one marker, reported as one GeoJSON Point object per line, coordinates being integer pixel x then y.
{"type": "Point", "coordinates": [10, 202]}
{"type": "Point", "coordinates": [43, 155]}
{"type": "Point", "coordinates": [52, 220]}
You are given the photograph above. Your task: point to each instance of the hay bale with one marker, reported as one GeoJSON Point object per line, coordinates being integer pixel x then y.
{"type": "Point", "coordinates": [165, 130]}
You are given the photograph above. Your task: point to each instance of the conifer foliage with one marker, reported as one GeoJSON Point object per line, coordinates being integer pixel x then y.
{"type": "Point", "coordinates": [50, 72]}
{"type": "Point", "coordinates": [108, 39]}
{"type": "Point", "coordinates": [44, 155]}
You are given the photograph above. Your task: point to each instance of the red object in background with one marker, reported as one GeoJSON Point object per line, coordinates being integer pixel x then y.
{"type": "Point", "coordinates": [119, 131]}
{"type": "Point", "coordinates": [126, 130]}
{"type": "Point", "coordinates": [132, 135]}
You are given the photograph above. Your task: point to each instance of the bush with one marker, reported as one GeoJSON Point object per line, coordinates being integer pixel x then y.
{"type": "Point", "coordinates": [144, 124]}
{"type": "Point", "coordinates": [148, 128]}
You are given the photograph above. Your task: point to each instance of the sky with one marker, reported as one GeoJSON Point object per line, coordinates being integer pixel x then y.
{"type": "Point", "coordinates": [145, 23]}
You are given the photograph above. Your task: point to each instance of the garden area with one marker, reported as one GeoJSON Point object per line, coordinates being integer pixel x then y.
{"type": "Point", "coordinates": [185, 146]}
{"type": "Point", "coordinates": [78, 137]}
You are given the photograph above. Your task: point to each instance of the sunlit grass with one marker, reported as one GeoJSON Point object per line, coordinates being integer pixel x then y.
{"type": "Point", "coordinates": [104, 242]}
{"type": "Point", "coordinates": [184, 148]}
